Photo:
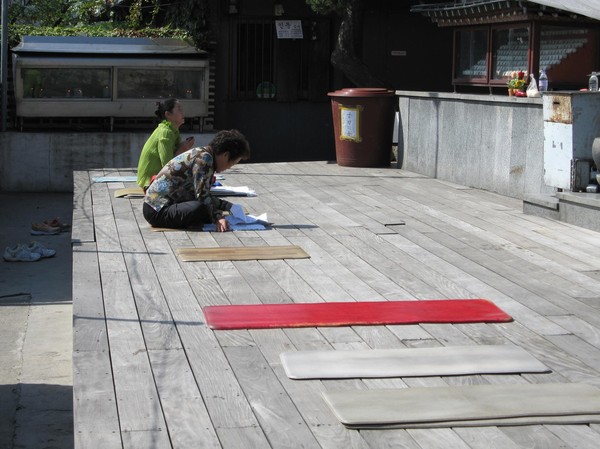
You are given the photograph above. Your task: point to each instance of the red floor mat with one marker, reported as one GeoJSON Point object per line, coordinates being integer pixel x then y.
{"type": "Point", "coordinates": [262, 316]}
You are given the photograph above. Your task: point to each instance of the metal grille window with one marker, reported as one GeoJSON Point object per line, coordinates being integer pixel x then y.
{"type": "Point", "coordinates": [253, 74]}
{"type": "Point", "coordinates": [263, 67]}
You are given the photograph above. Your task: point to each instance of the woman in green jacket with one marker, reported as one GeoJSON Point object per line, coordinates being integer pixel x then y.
{"type": "Point", "coordinates": [164, 143]}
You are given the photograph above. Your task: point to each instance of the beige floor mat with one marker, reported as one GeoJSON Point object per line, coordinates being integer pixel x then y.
{"type": "Point", "coordinates": [475, 405]}
{"type": "Point", "coordinates": [241, 253]}
{"type": "Point", "coordinates": [410, 362]}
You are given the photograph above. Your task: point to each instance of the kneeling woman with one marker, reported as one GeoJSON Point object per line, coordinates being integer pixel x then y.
{"type": "Point", "coordinates": [180, 195]}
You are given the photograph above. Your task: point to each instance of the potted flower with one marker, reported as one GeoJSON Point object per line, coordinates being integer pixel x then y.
{"type": "Point", "coordinates": [516, 83]}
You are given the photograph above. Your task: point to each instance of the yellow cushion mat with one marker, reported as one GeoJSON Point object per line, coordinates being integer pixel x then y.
{"type": "Point", "coordinates": [129, 192]}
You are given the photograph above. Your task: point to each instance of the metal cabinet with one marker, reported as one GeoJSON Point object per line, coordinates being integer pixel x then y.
{"type": "Point", "coordinates": [571, 122]}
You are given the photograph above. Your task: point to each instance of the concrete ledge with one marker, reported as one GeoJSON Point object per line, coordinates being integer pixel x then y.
{"type": "Point", "coordinates": [469, 97]}
{"type": "Point", "coordinates": [580, 209]}
{"type": "Point", "coordinates": [45, 161]}
{"type": "Point", "coordinates": [547, 201]}
{"type": "Point", "coordinates": [546, 206]}
{"type": "Point", "coordinates": [581, 198]}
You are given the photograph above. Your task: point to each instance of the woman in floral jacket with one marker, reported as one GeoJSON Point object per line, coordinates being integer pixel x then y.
{"type": "Point", "coordinates": [180, 195]}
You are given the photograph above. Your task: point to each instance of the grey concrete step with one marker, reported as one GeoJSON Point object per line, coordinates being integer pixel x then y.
{"type": "Point", "coordinates": [577, 208]}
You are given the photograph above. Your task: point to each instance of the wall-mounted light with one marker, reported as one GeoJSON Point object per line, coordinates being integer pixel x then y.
{"type": "Point", "coordinates": [278, 9]}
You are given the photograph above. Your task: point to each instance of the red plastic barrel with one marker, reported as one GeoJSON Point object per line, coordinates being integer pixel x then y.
{"type": "Point", "coordinates": [363, 123]}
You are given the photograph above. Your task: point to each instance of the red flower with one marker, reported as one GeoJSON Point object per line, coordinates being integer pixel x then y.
{"type": "Point", "coordinates": [521, 75]}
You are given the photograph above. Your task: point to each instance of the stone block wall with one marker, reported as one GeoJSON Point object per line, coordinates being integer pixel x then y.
{"type": "Point", "coordinates": [45, 161]}
{"type": "Point", "coordinates": [489, 142]}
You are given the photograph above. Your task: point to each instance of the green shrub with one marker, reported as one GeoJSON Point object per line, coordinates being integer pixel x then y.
{"type": "Point", "coordinates": [104, 29]}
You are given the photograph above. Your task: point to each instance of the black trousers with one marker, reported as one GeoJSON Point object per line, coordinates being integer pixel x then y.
{"type": "Point", "coordinates": [178, 215]}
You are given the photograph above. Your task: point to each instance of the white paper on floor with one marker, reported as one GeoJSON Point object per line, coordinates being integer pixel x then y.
{"type": "Point", "coordinates": [239, 221]}
{"type": "Point", "coordinates": [232, 191]}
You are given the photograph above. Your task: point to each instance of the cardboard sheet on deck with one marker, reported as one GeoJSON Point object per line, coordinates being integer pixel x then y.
{"type": "Point", "coordinates": [410, 362]}
{"type": "Point", "coordinates": [241, 253]}
{"type": "Point", "coordinates": [475, 405]}
{"type": "Point", "coordinates": [262, 316]}
{"type": "Point", "coordinates": [129, 192]}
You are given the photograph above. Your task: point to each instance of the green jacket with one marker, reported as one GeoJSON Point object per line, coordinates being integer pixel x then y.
{"type": "Point", "coordinates": [158, 150]}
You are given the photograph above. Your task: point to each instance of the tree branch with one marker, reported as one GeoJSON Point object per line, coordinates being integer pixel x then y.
{"type": "Point", "coordinates": [344, 55]}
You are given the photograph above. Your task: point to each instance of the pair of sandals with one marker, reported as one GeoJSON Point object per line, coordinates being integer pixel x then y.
{"type": "Point", "coordinates": [49, 227]}
{"type": "Point", "coordinates": [56, 223]}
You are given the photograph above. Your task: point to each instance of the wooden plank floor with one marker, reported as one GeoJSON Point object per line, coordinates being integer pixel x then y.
{"type": "Point", "coordinates": [149, 373]}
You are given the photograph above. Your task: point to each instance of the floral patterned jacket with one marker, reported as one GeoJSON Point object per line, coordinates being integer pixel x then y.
{"type": "Point", "coordinates": [187, 177]}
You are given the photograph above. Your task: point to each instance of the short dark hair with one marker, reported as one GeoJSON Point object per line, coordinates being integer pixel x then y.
{"type": "Point", "coordinates": [165, 106]}
{"type": "Point", "coordinates": [232, 141]}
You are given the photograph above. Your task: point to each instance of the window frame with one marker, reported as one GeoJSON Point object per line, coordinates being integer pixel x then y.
{"type": "Point", "coordinates": [52, 79]}
{"type": "Point", "coordinates": [456, 54]}
{"type": "Point", "coordinates": [185, 83]}
{"type": "Point", "coordinates": [516, 25]}
{"type": "Point", "coordinates": [534, 28]}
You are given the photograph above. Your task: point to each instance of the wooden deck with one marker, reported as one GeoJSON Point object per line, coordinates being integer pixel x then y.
{"type": "Point", "coordinates": [148, 372]}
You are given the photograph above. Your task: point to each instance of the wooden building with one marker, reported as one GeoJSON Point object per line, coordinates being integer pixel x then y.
{"type": "Point", "coordinates": [274, 88]}
{"type": "Point", "coordinates": [271, 69]}
{"type": "Point", "coordinates": [273, 85]}
{"type": "Point", "coordinates": [492, 38]}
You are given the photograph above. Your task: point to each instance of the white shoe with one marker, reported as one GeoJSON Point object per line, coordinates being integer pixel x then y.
{"type": "Point", "coordinates": [36, 247]}
{"type": "Point", "coordinates": [19, 253]}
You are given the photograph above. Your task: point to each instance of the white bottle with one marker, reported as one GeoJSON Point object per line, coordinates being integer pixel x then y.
{"type": "Point", "coordinates": [543, 81]}
{"type": "Point", "coordinates": [593, 84]}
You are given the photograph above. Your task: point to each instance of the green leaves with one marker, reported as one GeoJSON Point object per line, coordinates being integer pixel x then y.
{"type": "Point", "coordinates": [51, 13]}
{"type": "Point", "coordinates": [95, 30]}
{"type": "Point", "coordinates": [184, 19]}
{"type": "Point", "coordinates": [327, 6]}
